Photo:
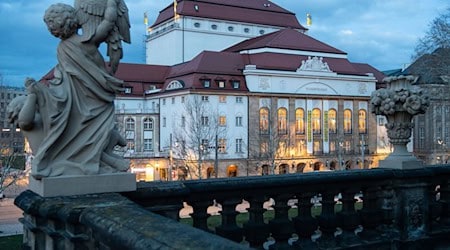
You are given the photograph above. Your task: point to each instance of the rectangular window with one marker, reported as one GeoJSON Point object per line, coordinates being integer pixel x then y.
{"type": "Point", "coordinates": [148, 145]}
{"type": "Point", "coordinates": [222, 99]}
{"type": "Point", "coordinates": [205, 120]}
{"type": "Point", "coordinates": [221, 84]}
{"type": "Point", "coordinates": [238, 145]}
{"type": "Point", "coordinates": [164, 101]}
{"type": "Point", "coordinates": [235, 84]}
{"type": "Point", "coordinates": [380, 121]}
{"type": "Point", "coordinates": [205, 144]}
{"type": "Point", "coordinates": [205, 98]}
{"type": "Point", "coordinates": [164, 122]}
{"type": "Point", "coordinates": [182, 99]}
{"type": "Point", "coordinates": [206, 83]}
{"type": "Point", "coordinates": [183, 121]}
{"type": "Point", "coordinates": [238, 99]}
{"type": "Point", "coordinates": [128, 90]}
{"type": "Point", "coordinates": [173, 100]}
{"type": "Point", "coordinates": [238, 121]}
{"type": "Point", "coordinates": [222, 146]}
{"type": "Point", "coordinates": [222, 120]}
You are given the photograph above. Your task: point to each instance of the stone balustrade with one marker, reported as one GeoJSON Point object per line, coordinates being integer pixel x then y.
{"type": "Point", "coordinates": [374, 209]}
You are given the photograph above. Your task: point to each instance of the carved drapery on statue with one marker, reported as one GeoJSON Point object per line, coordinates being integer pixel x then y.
{"type": "Point", "coordinates": [70, 121]}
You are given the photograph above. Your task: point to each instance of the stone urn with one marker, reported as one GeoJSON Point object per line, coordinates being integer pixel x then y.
{"type": "Point", "coordinates": [399, 103]}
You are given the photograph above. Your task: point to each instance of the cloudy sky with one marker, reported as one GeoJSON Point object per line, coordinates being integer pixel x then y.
{"type": "Point", "coordinates": [382, 33]}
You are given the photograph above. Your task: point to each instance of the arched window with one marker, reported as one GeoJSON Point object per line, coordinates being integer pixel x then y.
{"type": "Point", "coordinates": [362, 121]}
{"type": "Point", "coordinates": [232, 171]}
{"type": "Point", "coordinates": [316, 121]}
{"type": "Point", "coordinates": [264, 120]}
{"type": "Point", "coordinates": [148, 124]}
{"type": "Point", "coordinates": [282, 121]}
{"type": "Point", "coordinates": [332, 125]}
{"type": "Point", "coordinates": [129, 124]}
{"type": "Point", "coordinates": [300, 121]}
{"type": "Point", "coordinates": [347, 121]}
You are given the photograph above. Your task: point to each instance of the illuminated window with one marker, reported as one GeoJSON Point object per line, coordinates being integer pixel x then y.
{"type": "Point", "coordinates": [222, 99]}
{"type": "Point", "coordinates": [222, 146]}
{"type": "Point", "coordinates": [347, 121]}
{"type": "Point", "coordinates": [362, 121]}
{"type": "Point", "coordinates": [300, 121]}
{"type": "Point", "coordinates": [332, 128]}
{"type": "Point", "coordinates": [264, 121]}
{"type": "Point", "coordinates": [282, 121]}
{"type": "Point", "coordinates": [316, 121]}
{"type": "Point", "coordinates": [222, 120]}
{"type": "Point", "coordinates": [221, 84]}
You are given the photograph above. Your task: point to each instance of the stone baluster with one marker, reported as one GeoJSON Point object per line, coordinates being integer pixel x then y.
{"type": "Point", "coordinates": [445, 202]}
{"type": "Point", "coordinates": [371, 214]}
{"type": "Point", "coordinates": [327, 220]}
{"type": "Point", "coordinates": [255, 230]}
{"type": "Point", "coordinates": [229, 228]}
{"type": "Point", "coordinates": [200, 213]}
{"type": "Point", "coordinates": [281, 227]}
{"type": "Point", "coordinates": [348, 218]}
{"type": "Point", "coordinates": [305, 225]}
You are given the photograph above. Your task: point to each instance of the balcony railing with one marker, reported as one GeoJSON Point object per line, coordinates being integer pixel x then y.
{"type": "Point", "coordinates": [374, 209]}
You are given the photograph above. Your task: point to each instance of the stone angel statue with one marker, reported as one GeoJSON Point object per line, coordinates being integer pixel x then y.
{"type": "Point", "coordinates": [91, 13]}
{"type": "Point", "coordinates": [69, 120]}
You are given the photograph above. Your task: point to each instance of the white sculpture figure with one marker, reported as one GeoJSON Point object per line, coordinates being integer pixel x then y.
{"type": "Point", "coordinates": [70, 122]}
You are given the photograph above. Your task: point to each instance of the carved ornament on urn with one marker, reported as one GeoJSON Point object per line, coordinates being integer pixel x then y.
{"type": "Point", "coordinates": [399, 102]}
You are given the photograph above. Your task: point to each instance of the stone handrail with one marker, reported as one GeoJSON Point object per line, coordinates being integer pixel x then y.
{"type": "Point", "coordinates": [376, 208]}
{"type": "Point", "coordinates": [399, 207]}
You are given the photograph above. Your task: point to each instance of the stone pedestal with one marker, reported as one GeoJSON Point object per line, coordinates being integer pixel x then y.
{"type": "Point", "coordinates": [83, 184]}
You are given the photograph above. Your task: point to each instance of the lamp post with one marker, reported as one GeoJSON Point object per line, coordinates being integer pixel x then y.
{"type": "Point", "coordinates": [363, 148]}
{"type": "Point", "coordinates": [341, 144]}
{"type": "Point", "coordinates": [442, 148]}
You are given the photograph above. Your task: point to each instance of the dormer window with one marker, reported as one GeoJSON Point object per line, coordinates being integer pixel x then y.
{"type": "Point", "coordinates": [230, 28]}
{"type": "Point", "coordinates": [206, 83]}
{"type": "Point", "coordinates": [235, 84]}
{"type": "Point", "coordinates": [221, 83]}
{"type": "Point", "coordinates": [246, 30]}
{"type": "Point", "coordinates": [261, 32]}
{"type": "Point", "coordinates": [197, 25]}
{"type": "Point", "coordinates": [214, 27]}
{"type": "Point", "coordinates": [128, 90]}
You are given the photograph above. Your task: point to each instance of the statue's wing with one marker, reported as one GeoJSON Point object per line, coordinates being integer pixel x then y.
{"type": "Point", "coordinates": [121, 32]}
{"type": "Point", "coordinates": [90, 14]}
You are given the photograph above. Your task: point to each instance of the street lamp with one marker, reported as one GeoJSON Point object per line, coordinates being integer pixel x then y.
{"type": "Point", "coordinates": [442, 145]}
{"type": "Point", "coordinates": [341, 165]}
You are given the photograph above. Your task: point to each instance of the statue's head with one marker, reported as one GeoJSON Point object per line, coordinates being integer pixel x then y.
{"type": "Point", "coordinates": [61, 20]}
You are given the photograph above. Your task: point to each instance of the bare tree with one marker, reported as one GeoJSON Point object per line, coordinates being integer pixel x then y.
{"type": "Point", "coordinates": [12, 169]}
{"type": "Point", "coordinates": [438, 36]}
{"type": "Point", "coordinates": [271, 144]}
{"type": "Point", "coordinates": [198, 135]}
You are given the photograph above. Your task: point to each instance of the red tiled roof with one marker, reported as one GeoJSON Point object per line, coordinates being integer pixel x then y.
{"type": "Point", "coordinates": [144, 73]}
{"type": "Point", "coordinates": [366, 68]}
{"type": "Point", "coordinates": [210, 62]}
{"type": "Point", "coordinates": [285, 39]}
{"type": "Point", "coordinates": [254, 11]}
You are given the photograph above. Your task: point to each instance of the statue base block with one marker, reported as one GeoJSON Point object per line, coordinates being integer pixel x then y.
{"type": "Point", "coordinates": [83, 184]}
{"type": "Point", "coordinates": [401, 163]}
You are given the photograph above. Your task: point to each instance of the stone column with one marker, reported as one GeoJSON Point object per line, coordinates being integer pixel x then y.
{"type": "Point", "coordinates": [399, 102]}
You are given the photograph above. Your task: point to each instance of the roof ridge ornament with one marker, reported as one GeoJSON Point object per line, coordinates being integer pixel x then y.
{"type": "Point", "coordinates": [314, 64]}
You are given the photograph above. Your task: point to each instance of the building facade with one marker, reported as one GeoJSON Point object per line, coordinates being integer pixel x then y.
{"type": "Point", "coordinates": [273, 101]}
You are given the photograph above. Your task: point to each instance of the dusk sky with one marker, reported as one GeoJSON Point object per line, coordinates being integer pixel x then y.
{"type": "Point", "coordinates": [382, 33]}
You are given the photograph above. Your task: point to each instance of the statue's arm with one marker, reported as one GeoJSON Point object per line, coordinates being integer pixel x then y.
{"type": "Point", "coordinates": [26, 115]}
{"type": "Point", "coordinates": [107, 23]}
